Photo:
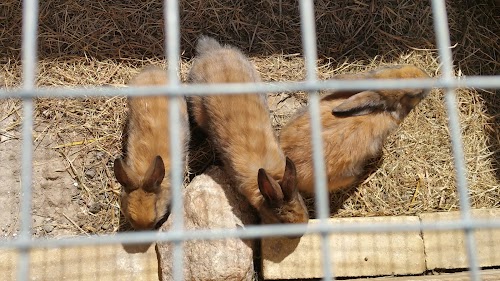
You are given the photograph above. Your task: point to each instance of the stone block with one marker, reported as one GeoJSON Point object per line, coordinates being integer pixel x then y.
{"type": "Point", "coordinates": [211, 203]}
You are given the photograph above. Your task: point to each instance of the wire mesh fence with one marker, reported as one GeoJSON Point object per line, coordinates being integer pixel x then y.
{"type": "Point", "coordinates": [25, 244]}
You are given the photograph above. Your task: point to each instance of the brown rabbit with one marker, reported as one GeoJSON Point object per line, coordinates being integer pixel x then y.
{"type": "Point", "coordinates": [354, 128]}
{"type": "Point", "coordinates": [144, 174]}
{"type": "Point", "coordinates": [240, 127]}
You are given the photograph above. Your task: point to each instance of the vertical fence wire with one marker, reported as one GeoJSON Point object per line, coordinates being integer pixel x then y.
{"type": "Point", "coordinates": [444, 47]}
{"type": "Point", "coordinates": [29, 65]}
{"type": "Point", "coordinates": [172, 50]}
{"type": "Point", "coordinates": [308, 32]}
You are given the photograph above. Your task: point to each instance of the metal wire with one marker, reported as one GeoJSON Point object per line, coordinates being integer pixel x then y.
{"type": "Point", "coordinates": [481, 82]}
{"type": "Point", "coordinates": [308, 31]}
{"type": "Point", "coordinates": [172, 49]}
{"type": "Point", "coordinates": [29, 64]}
{"type": "Point", "coordinates": [250, 231]}
{"type": "Point", "coordinates": [178, 235]}
{"type": "Point", "coordinates": [444, 49]}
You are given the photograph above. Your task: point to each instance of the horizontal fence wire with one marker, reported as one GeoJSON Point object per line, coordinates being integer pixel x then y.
{"type": "Point", "coordinates": [480, 82]}
{"type": "Point", "coordinates": [250, 231]}
{"type": "Point", "coordinates": [24, 242]}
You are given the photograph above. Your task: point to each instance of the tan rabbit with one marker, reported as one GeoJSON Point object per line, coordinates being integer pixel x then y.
{"type": "Point", "coordinates": [144, 174]}
{"type": "Point", "coordinates": [240, 127]}
{"type": "Point", "coordinates": [354, 128]}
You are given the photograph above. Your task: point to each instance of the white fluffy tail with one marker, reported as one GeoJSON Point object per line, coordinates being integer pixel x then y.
{"type": "Point", "coordinates": [206, 44]}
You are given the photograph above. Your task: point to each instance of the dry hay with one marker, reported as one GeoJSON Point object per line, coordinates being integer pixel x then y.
{"type": "Point", "coordinates": [358, 30]}
{"type": "Point", "coordinates": [106, 43]}
{"type": "Point", "coordinates": [416, 174]}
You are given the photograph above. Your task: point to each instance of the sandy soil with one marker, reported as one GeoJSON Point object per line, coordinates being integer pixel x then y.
{"type": "Point", "coordinates": [55, 204]}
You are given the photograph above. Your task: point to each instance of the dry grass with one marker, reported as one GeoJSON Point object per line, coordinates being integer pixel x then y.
{"type": "Point", "coordinates": [105, 43]}
{"type": "Point", "coordinates": [356, 30]}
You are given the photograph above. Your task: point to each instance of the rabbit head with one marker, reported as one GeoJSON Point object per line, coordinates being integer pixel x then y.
{"type": "Point", "coordinates": [141, 200]}
{"type": "Point", "coordinates": [282, 201]}
{"type": "Point", "coordinates": [398, 102]}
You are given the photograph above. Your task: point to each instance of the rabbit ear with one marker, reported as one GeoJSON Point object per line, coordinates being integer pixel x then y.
{"type": "Point", "coordinates": [122, 175]}
{"type": "Point", "coordinates": [338, 95]}
{"type": "Point", "coordinates": [360, 104]}
{"type": "Point", "coordinates": [289, 181]}
{"type": "Point", "coordinates": [154, 175]}
{"type": "Point", "coordinates": [270, 189]}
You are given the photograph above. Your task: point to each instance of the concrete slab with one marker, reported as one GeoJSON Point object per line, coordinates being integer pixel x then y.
{"type": "Point", "coordinates": [107, 262]}
{"type": "Point", "coordinates": [486, 275]}
{"type": "Point", "coordinates": [446, 249]}
{"type": "Point", "coordinates": [353, 255]}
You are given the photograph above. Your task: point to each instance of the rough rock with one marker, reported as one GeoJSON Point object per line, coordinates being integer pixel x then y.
{"type": "Point", "coordinates": [210, 203]}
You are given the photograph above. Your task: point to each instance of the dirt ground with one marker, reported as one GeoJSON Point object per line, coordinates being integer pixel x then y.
{"type": "Point", "coordinates": [56, 205]}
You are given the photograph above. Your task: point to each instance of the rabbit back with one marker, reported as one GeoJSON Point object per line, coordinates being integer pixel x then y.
{"type": "Point", "coordinates": [240, 128]}
{"type": "Point", "coordinates": [144, 173]}
{"type": "Point", "coordinates": [347, 144]}
{"type": "Point", "coordinates": [354, 127]}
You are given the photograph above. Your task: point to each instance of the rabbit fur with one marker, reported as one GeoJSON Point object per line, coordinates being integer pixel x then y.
{"type": "Point", "coordinates": [354, 128]}
{"type": "Point", "coordinates": [240, 128]}
{"type": "Point", "coordinates": [144, 174]}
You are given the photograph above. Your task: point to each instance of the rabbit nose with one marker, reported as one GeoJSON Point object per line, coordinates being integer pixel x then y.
{"type": "Point", "coordinates": [162, 221]}
{"type": "Point", "coordinates": [142, 224]}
